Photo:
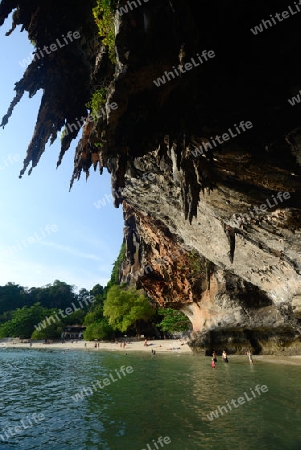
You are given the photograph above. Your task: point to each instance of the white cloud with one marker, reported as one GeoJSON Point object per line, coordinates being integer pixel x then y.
{"type": "Point", "coordinates": [71, 251]}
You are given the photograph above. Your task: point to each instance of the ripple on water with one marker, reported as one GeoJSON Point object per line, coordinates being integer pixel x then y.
{"type": "Point", "coordinates": [164, 396]}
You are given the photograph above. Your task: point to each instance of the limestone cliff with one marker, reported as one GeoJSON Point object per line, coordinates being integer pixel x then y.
{"type": "Point", "coordinates": [193, 159]}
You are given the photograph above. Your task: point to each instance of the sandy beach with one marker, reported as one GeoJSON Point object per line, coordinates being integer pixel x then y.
{"type": "Point", "coordinates": [160, 346]}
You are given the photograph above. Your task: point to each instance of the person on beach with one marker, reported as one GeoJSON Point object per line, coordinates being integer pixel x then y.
{"type": "Point", "coordinates": [249, 354]}
{"type": "Point", "coordinates": [212, 363]}
{"type": "Point", "coordinates": [224, 356]}
{"type": "Point", "coordinates": [214, 356]}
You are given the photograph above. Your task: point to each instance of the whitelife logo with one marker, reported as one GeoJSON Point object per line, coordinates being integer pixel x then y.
{"type": "Point", "coordinates": [108, 199]}
{"type": "Point", "coordinates": [37, 418]}
{"type": "Point", "coordinates": [87, 391]}
{"type": "Point", "coordinates": [124, 9]}
{"type": "Point", "coordinates": [9, 160]}
{"type": "Point", "coordinates": [36, 237]}
{"type": "Point", "coordinates": [166, 440]}
{"type": "Point", "coordinates": [39, 53]}
{"type": "Point", "coordinates": [295, 100]}
{"type": "Point", "coordinates": [183, 68]}
{"type": "Point", "coordinates": [265, 24]}
{"type": "Point", "coordinates": [91, 118]}
{"type": "Point", "coordinates": [240, 401]}
{"type": "Point", "coordinates": [242, 127]}
{"type": "Point", "coordinates": [264, 207]}
{"type": "Point", "coordinates": [68, 312]}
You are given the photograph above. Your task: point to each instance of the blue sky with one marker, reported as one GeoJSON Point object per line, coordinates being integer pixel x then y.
{"type": "Point", "coordinates": [84, 241]}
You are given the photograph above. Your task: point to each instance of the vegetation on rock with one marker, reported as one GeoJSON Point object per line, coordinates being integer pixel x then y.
{"type": "Point", "coordinates": [104, 18]}
{"type": "Point", "coordinates": [97, 101]}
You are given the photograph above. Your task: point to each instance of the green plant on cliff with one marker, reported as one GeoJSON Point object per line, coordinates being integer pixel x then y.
{"type": "Point", "coordinates": [98, 100]}
{"type": "Point", "coordinates": [64, 133]}
{"type": "Point", "coordinates": [197, 264]}
{"type": "Point", "coordinates": [104, 17]}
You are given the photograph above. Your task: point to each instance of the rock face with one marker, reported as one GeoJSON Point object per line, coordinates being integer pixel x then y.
{"type": "Point", "coordinates": [251, 298]}
{"type": "Point", "coordinates": [204, 149]}
{"type": "Point", "coordinates": [232, 200]}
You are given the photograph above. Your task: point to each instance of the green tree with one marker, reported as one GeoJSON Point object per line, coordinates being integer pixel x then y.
{"type": "Point", "coordinates": [12, 296]}
{"type": "Point", "coordinates": [97, 325]}
{"type": "Point", "coordinates": [52, 331]}
{"type": "Point", "coordinates": [23, 321]}
{"type": "Point", "coordinates": [99, 330]}
{"type": "Point", "coordinates": [76, 318]}
{"type": "Point", "coordinates": [125, 308]}
{"type": "Point", "coordinates": [115, 271]}
{"type": "Point", "coordinates": [97, 290]}
{"type": "Point", "coordinates": [95, 315]}
{"type": "Point", "coordinates": [173, 320]}
{"type": "Point", "coordinates": [56, 295]}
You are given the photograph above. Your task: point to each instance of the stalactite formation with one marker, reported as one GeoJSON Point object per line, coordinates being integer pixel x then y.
{"type": "Point", "coordinates": [194, 144]}
{"type": "Point", "coordinates": [64, 75]}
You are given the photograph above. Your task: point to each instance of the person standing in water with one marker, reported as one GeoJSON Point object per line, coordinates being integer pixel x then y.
{"type": "Point", "coordinates": [224, 356]}
{"type": "Point", "coordinates": [249, 354]}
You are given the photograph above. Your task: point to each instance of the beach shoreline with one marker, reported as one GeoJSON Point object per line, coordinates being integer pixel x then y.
{"type": "Point", "coordinates": [179, 346]}
{"type": "Point", "coordinates": [159, 346]}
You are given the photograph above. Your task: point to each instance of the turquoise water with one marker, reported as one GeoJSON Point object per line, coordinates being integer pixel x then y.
{"type": "Point", "coordinates": [166, 395]}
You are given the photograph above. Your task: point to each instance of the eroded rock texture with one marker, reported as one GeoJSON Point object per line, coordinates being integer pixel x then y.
{"type": "Point", "coordinates": [195, 240]}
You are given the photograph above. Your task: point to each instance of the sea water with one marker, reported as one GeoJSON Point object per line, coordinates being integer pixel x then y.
{"type": "Point", "coordinates": [164, 402]}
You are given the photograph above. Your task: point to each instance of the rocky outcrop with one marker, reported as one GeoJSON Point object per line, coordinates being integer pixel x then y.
{"type": "Point", "coordinates": [204, 149]}
{"type": "Point", "coordinates": [248, 299]}
{"type": "Point", "coordinates": [184, 196]}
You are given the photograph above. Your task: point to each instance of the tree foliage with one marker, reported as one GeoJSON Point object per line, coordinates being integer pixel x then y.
{"type": "Point", "coordinates": [23, 321]}
{"type": "Point", "coordinates": [125, 307]}
{"type": "Point", "coordinates": [173, 320]}
{"type": "Point", "coordinates": [115, 271]}
{"type": "Point", "coordinates": [99, 330]}
{"type": "Point", "coordinates": [30, 307]}
{"type": "Point", "coordinates": [52, 331]}
{"type": "Point", "coordinates": [56, 295]}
